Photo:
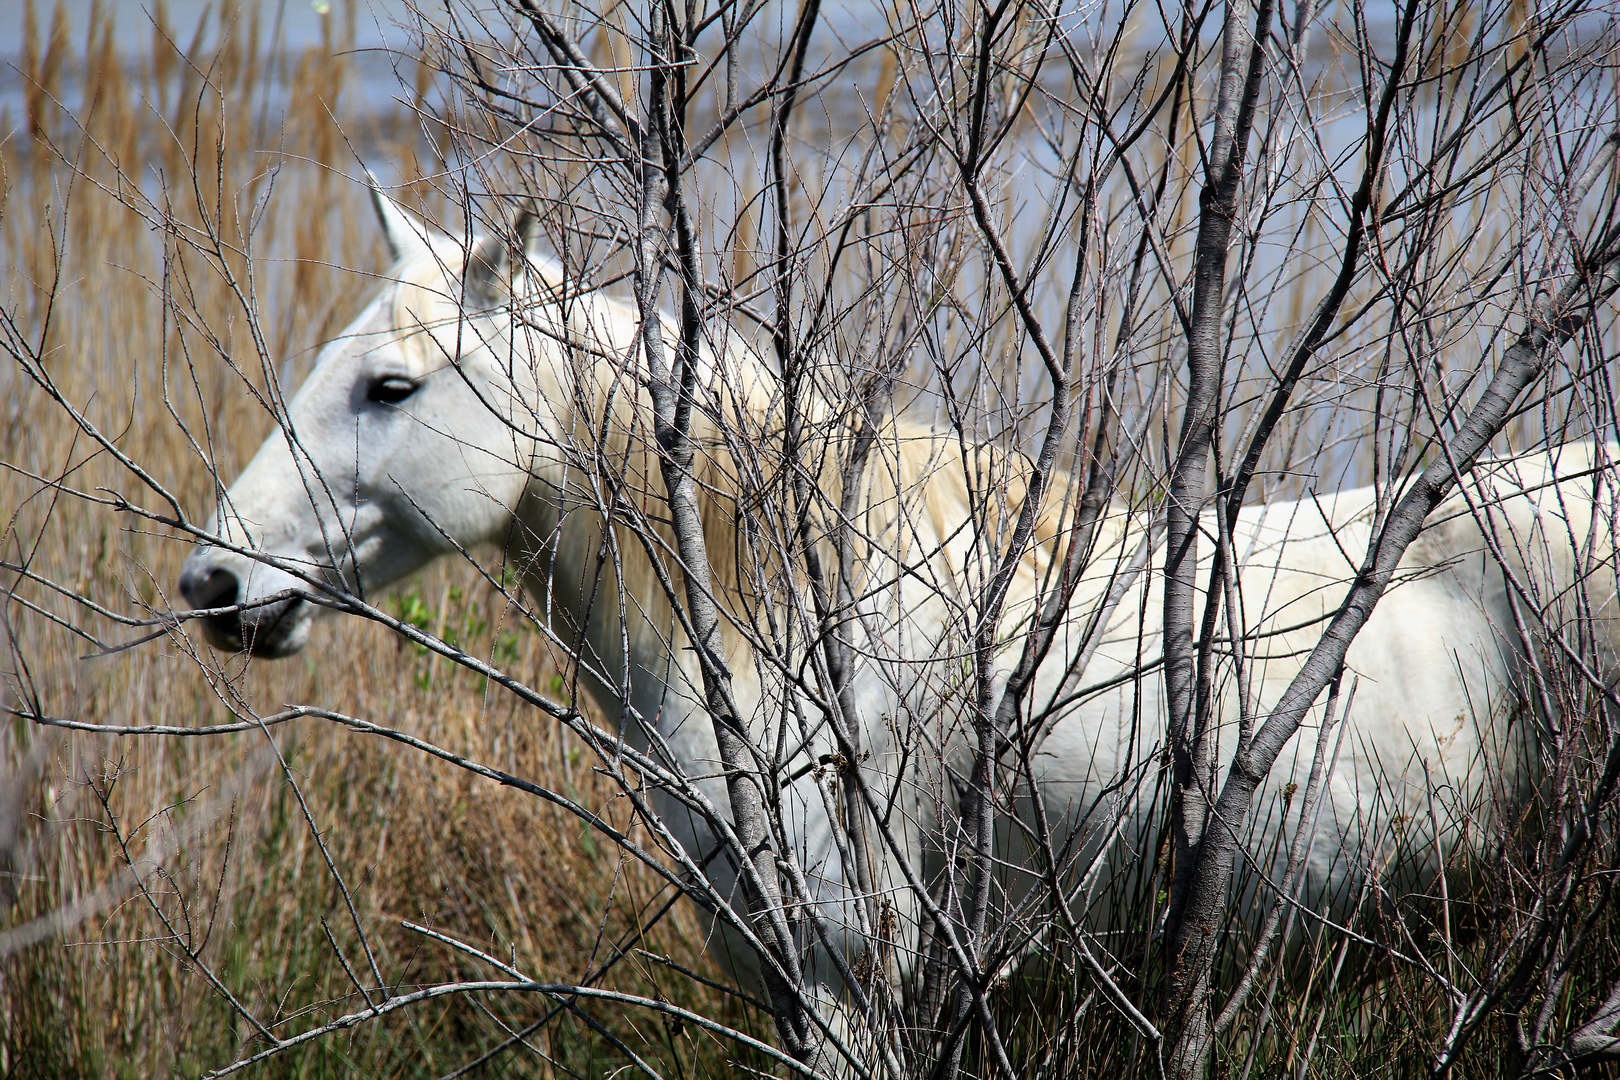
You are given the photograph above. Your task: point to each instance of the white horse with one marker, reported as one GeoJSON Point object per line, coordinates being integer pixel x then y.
{"type": "Point", "coordinates": [437, 421]}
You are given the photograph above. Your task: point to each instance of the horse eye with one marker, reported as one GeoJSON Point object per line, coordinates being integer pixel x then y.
{"type": "Point", "coordinates": [391, 389]}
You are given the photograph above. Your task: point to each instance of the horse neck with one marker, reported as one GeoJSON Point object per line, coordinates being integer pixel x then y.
{"type": "Point", "coordinates": [581, 577]}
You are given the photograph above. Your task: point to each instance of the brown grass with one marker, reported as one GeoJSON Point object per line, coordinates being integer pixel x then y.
{"type": "Point", "coordinates": [90, 982]}
{"type": "Point", "coordinates": [140, 331]}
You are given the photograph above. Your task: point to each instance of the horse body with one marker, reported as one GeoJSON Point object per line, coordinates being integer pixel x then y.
{"type": "Point", "coordinates": [424, 429]}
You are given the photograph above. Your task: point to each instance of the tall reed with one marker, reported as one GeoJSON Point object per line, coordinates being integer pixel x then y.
{"type": "Point", "coordinates": [226, 137]}
{"type": "Point", "coordinates": [121, 167]}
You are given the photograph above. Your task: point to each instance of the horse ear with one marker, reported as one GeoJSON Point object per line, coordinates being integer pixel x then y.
{"type": "Point", "coordinates": [407, 234]}
{"type": "Point", "coordinates": [524, 227]}
{"type": "Point", "coordinates": [490, 265]}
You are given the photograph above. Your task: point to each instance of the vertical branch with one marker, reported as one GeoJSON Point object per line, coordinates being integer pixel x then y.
{"type": "Point", "coordinates": [672, 392]}
{"type": "Point", "coordinates": [1242, 68]}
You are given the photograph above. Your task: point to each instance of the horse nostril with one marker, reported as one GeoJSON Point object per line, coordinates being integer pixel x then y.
{"type": "Point", "coordinates": [208, 586]}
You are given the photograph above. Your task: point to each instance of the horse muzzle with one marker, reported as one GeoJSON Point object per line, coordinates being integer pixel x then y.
{"type": "Point", "coordinates": [246, 612]}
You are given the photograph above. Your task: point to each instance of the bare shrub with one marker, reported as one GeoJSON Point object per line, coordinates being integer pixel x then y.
{"type": "Point", "coordinates": [1075, 537]}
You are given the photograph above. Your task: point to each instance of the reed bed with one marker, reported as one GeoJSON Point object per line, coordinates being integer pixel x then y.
{"type": "Point", "coordinates": [119, 169]}
{"type": "Point", "coordinates": [227, 132]}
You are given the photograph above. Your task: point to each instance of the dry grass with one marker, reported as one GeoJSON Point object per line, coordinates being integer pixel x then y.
{"type": "Point", "coordinates": [143, 334]}
{"type": "Point", "coordinates": [90, 982]}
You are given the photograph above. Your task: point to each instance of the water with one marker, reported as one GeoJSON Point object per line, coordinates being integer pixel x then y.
{"type": "Point", "coordinates": [302, 23]}
{"type": "Point", "coordinates": [1030, 180]}
{"type": "Point", "coordinates": [371, 29]}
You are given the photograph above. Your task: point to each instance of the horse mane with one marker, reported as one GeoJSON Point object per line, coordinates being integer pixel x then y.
{"type": "Point", "coordinates": [928, 497]}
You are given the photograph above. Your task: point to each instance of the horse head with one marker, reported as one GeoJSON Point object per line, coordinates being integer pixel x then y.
{"type": "Point", "coordinates": [401, 445]}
